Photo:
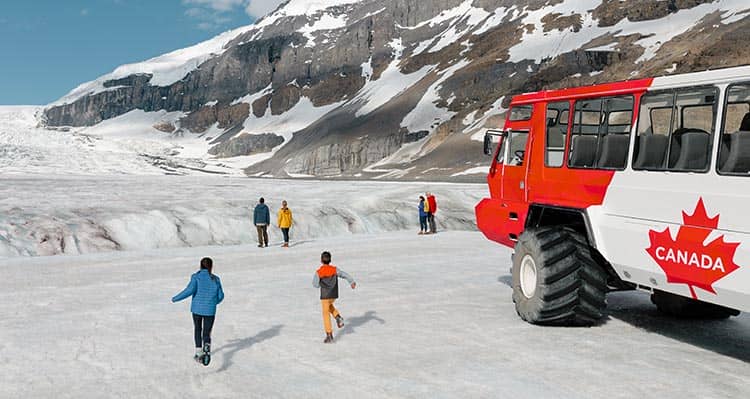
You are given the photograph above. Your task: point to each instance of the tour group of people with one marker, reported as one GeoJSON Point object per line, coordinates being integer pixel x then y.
{"type": "Point", "coordinates": [262, 219]}
{"type": "Point", "coordinates": [427, 210]}
{"type": "Point", "coordinates": [206, 290]}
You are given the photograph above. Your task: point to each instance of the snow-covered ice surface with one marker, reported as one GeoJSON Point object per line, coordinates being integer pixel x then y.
{"type": "Point", "coordinates": [84, 214]}
{"type": "Point", "coordinates": [131, 144]}
{"type": "Point", "coordinates": [431, 318]}
{"type": "Point", "coordinates": [29, 149]}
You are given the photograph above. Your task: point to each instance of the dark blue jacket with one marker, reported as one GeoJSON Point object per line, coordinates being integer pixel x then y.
{"type": "Point", "coordinates": [206, 292]}
{"type": "Point", "coordinates": [261, 215]}
{"type": "Point", "coordinates": [422, 213]}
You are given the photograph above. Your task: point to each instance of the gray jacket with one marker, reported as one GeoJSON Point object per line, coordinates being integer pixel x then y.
{"type": "Point", "coordinates": [327, 281]}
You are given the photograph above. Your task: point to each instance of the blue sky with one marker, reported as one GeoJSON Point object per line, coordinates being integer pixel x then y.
{"type": "Point", "coordinates": [48, 47]}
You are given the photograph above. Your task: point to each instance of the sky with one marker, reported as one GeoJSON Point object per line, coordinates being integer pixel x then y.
{"type": "Point", "coordinates": [48, 47]}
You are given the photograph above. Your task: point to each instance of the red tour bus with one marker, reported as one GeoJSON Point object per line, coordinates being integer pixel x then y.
{"type": "Point", "coordinates": [637, 184]}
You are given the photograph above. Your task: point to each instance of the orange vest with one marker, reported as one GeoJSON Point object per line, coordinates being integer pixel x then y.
{"type": "Point", "coordinates": [329, 282]}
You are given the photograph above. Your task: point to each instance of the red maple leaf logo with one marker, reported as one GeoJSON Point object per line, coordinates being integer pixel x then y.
{"type": "Point", "coordinates": [686, 260]}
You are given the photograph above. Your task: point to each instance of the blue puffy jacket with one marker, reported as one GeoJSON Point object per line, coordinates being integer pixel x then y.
{"type": "Point", "coordinates": [206, 292]}
{"type": "Point", "coordinates": [261, 215]}
{"type": "Point", "coordinates": [422, 213]}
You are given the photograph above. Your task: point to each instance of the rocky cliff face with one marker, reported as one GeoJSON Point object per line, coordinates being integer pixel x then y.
{"type": "Point", "coordinates": [398, 88]}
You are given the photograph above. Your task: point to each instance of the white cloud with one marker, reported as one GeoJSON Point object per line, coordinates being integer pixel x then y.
{"type": "Point", "coordinates": [212, 14]}
{"type": "Point", "coordinates": [217, 5]}
{"type": "Point", "coordinates": [195, 12]}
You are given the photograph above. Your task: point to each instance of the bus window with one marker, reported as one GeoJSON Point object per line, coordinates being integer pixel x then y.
{"type": "Point", "coordinates": [517, 147]}
{"type": "Point", "coordinates": [614, 141]}
{"type": "Point", "coordinates": [501, 152]}
{"type": "Point", "coordinates": [654, 124]}
{"type": "Point", "coordinates": [734, 151]}
{"type": "Point", "coordinates": [564, 118]}
{"type": "Point", "coordinates": [520, 113]}
{"type": "Point", "coordinates": [557, 130]}
{"type": "Point", "coordinates": [600, 137]}
{"type": "Point", "coordinates": [585, 133]}
{"type": "Point", "coordinates": [675, 130]}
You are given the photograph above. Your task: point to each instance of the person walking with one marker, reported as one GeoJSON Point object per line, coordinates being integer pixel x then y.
{"type": "Point", "coordinates": [432, 204]}
{"type": "Point", "coordinates": [327, 279]}
{"type": "Point", "coordinates": [205, 289]}
{"type": "Point", "coordinates": [261, 219]}
{"type": "Point", "coordinates": [422, 216]}
{"type": "Point", "coordinates": [285, 222]}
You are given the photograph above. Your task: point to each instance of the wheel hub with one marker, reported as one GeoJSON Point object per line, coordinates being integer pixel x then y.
{"type": "Point", "coordinates": [528, 276]}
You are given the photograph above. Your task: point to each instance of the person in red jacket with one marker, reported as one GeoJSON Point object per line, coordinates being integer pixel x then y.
{"type": "Point", "coordinates": [432, 203]}
{"type": "Point", "coordinates": [327, 279]}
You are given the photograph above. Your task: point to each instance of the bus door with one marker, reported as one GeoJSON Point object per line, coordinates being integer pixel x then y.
{"type": "Point", "coordinates": [517, 154]}
{"type": "Point", "coordinates": [515, 163]}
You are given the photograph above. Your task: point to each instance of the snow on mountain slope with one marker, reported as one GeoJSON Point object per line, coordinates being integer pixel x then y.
{"type": "Point", "coordinates": [537, 44]}
{"type": "Point", "coordinates": [464, 14]}
{"type": "Point", "coordinates": [392, 82]}
{"type": "Point", "coordinates": [165, 69]}
{"type": "Point", "coordinates": [302, 115]}
{"type": "Point", "coordinates": [171, 67]}
{"type": "Point", "coordinates": [352, 87]}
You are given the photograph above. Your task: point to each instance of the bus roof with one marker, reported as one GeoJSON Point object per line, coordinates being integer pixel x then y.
{"type": "Point", "coordinates": [711, 77]}
{"type": "Point", "coordinates": [606, 89]}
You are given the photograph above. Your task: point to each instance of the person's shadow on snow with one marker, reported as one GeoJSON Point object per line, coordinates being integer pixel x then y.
{"type": "Point", "coordinates": [301, 242]}
{"type": "Point", "coordinates": [236, 345]}
{"type": "Point", "coordinates": [351, 324]}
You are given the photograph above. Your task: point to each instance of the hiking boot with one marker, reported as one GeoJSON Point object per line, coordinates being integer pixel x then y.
{"type": "Point", "coordinates": [286, 245]}
{"type": "Point", "coordinates": [198, 355]}
{"type": "Point", "coordinates": [207, 348]}
{"type": "Point", "coordinates": [339, 321]}
{"type": "Point", "coordinates": [260, 245]}
{"type": "Point", "coordinates": [329, 338]}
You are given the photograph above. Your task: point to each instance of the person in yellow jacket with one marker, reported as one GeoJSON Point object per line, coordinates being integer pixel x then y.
{"type": "Point", "coordinates": [285, 222]}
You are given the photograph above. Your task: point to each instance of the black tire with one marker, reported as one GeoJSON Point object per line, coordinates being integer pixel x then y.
{"type": "Point", "coordinates": [570, 286]}
{"type": "Point", "coordinates": [689, 308]}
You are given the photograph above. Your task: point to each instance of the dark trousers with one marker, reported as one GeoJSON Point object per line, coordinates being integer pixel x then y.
{"type": "Point", "coordinates": [285, 232]}
{"type": "Point", "coordinates": [423, 223]}
{"type": "Point", "coordinates": [203, 326]}
{"type": "Point", "coordinates": [262, 235]}
{"type": "Point", "coordinates": [431, 221]}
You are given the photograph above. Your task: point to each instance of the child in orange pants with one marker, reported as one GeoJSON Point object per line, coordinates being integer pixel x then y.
{"type": "Point", "coordinates": [327, 279]}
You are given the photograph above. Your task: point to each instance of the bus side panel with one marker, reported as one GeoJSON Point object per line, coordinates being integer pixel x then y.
{"type": "Point", "coordinates": [501, 221]}
{"type": "Point", "coordinates": [561, 186]}
{"type": "Point", "coordinates": [640, 206]}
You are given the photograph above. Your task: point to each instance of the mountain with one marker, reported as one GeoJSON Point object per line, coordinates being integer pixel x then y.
{"type": "Point", "coordinates": [398, 89]}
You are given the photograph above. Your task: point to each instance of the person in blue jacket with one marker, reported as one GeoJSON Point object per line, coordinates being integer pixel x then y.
{"type": "Point", "coordinates": [261, 219]}
{"type": "Point", "coordinates": [423, 229]}
{"type": "Point", "coordinates": [205, 289]}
